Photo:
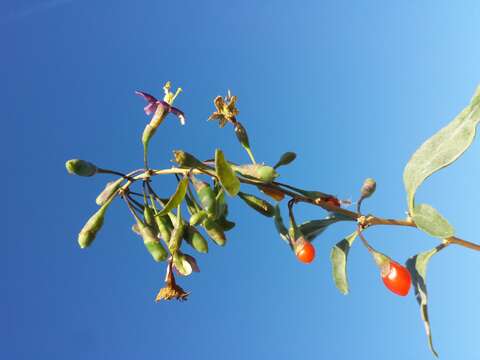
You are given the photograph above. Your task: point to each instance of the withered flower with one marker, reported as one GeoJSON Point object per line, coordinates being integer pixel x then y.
{"type": "Point", "coordinates": [171, 290]}
{"type": "Point", "coordinates": [226, 110]}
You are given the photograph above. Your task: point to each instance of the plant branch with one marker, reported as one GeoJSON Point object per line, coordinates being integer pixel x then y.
{"type": "Point", "coordinates": [370, 220]}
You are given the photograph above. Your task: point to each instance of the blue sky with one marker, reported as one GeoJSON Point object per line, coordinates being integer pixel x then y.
{"type": "Point", "coordinates": [352, 87]}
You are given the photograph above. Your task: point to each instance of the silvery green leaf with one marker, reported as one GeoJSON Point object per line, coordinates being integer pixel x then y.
{"type": "Point", "coordinates": [442, 149]}
{"type": "Point", "coordinates": [429, 220]}
{"type": "Point", "coordinates": [417, 265]}
{"type": "Point", "coordinates": [338, 258]}
{"type": "Point", "coordinates": [311, 229]}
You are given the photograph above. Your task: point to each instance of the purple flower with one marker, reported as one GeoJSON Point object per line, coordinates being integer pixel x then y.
{"type": "Point", "coordinates": [154, 103]}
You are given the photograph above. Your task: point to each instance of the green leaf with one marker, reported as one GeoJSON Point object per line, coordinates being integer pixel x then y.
{"type": "Point", "coordinates": [338, 258]}
{"type": "Point", "coordinates": [225, 174]}
{"type": "Point", "coordinates": [311, 229]}
{"type": "Point", "coordinates": [176, 198]}
{"type": "Point", "coordinates": [285, 159]}
{"type": "Point", "coordinates": [432, 222]}
{"type": "Point", "coordinates": [442, 149]}
{"type": "Point", "coordinates": [260, 205]}
{"type": "Point", "coordinates": [313, 195]}
{"type": "Point", "coordinates": [417, 265]}
{"type": "Point", "coordinates": [280, 226]}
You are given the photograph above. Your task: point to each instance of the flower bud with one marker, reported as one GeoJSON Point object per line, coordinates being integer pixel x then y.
{"type": "Point", "coordinates": [215, 232]}
{"type": "Point", "coordinates": [93, 225]}
{"type": "Point", "coordinates": [91, 228]}
{"type": "Point", "coordinates": [198, 217]}
{"type": "Point", "coordinates": [285, 159]}
{"type": "Point", "coordinates": [242, 135]}
{"type": "Point", "coordinates": [108, 191]}
{"type": "Point", "coordinates": [185, 159]}
{"type": "Point", "coordinates": [149, 217]}
{"type": "Point", "coordinates": [176, 236]}
{"type": "Point", "coordinates": [225, 224]}
{"type": "Point", "coordinates": [257, 171]}
{"type": "Point", "coordinates": [368, 188]}
{"type": "Point", "coordinates": [164, 226]}
{"type": "Point", "coordinates": [151, 242]}
{"type": "Point", "coordinates": [206, 195]}
{"type": "Point", "coordinates": [193, 237]}
{"type": "Point", "coordinates": [80, 167]}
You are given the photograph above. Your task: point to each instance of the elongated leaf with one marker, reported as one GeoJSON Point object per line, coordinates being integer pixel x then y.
{"type": "Point", "coordinates": [176, 198]}
{"type": "Point", "coordinates": [260, 205]}
{"type": "Point", "coordinates": [225, 174]}
{"type": "Point", "coordinates": [311, 229]}
{"type": "Point", "coordinates": [417, 265]}
{"type": "Point", "coordinates": [442, 149]}
{"type": "Point", "coordinates": [432, 222]}
{"type": "Point", "coordinates": [310, 194]}
{"type": "Point", "coordinates": [338, 258]}
{"type": "Point", "coordinates": [280, 226]}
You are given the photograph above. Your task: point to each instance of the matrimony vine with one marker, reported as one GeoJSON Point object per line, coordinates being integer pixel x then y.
{"type": "Point", "coordinates": [203, 185]}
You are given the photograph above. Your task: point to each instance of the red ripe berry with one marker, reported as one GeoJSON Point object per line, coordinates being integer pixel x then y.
{"type": "Point", "coordinates": [397, 278]}
{"type": "Point", "coordinates": [304, 251]}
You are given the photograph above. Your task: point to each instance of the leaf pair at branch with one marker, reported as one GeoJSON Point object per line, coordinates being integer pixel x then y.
{"type": "Point", "coordinates": [438, 152]}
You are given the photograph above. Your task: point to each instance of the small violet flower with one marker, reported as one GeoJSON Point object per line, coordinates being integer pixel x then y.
{"type": "Point", "coordinates": [166, 104]}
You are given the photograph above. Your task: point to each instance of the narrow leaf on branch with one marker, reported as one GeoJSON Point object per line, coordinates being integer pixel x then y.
{"type": "Point", "coordinates": [225, 174]}
{"type": "Point", "coordinates": [338, 258]}
{"type": "Point", "coordinates": [417, 265]}
{"type": "Point", "coordinates": [311, 229]}
{"type": "Point", "coordinates": [260, 205]}
{"type": "Point", "coordinates": [176, 198]}
{"type": "Point", "coordinates": [442, 149]}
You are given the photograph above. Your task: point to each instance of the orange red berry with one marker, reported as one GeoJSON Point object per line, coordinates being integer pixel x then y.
{"type": "Point", "coordinates": [304, 251]}
{"type": "Point", "coordinates": [397, 278]}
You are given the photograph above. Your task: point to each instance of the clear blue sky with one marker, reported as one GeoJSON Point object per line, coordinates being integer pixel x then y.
{"type": "Point", "coordinates": [354, 87]}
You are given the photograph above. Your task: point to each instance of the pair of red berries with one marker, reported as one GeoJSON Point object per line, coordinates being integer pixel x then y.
{"type": "Point", "coordinates": [396, 277]}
